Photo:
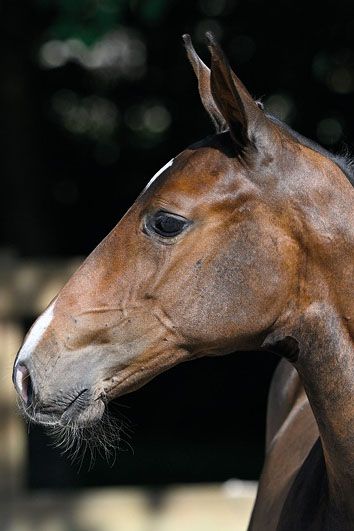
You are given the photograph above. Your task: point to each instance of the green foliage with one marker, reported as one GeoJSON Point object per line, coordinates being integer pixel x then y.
{"type": "Point", "coordinates": [89, 20]}
{"type": "Point", "coordinates": [153, 10]}
{"type": "Point", "coordinates": [86, 20]}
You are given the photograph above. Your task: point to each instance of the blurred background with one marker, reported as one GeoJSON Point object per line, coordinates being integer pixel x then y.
{"type": "Point", "coordinates": [95, 96]}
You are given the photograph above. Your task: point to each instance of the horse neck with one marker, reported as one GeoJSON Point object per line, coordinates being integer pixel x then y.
{"type": "Point", "coordinates": [323, 327]}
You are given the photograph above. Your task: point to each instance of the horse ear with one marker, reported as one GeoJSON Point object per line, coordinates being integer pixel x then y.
{"type": "Point", "coordinates": [244, 117]}
{"type": "Point", "coordinates": [203, 75]}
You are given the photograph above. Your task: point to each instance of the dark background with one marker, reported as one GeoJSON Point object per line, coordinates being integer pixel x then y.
{"type": "Point", "coordinates": [95, 96]}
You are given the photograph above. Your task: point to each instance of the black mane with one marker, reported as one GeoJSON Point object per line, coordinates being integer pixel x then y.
{"type": "Point", "coordinates": [344, 162]}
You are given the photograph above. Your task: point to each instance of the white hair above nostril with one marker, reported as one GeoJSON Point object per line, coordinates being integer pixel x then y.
{"type": "Point", "coordinates": [36, 333]}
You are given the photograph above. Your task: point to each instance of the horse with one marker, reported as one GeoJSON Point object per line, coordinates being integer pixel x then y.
{"type": "Point", "coordinates": [244, 241]}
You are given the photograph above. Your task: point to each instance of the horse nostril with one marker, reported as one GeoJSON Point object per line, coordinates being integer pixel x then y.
{"type": "Point", "coordinates": [23, 384]}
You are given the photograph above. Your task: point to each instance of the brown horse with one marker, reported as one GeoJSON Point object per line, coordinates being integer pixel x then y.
{"type": "Point", "coordinates": [243, 241]}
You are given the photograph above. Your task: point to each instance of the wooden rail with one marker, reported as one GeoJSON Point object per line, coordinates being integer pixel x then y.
{"type": "Point", "coordinates": [26, 288]}
{"type": "Point", "coordinates": [187, 508]}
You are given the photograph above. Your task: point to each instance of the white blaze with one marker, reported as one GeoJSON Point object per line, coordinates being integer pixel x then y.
{"type": "Point", "coordinates": [36, 333]}
{"type": "Point", "coordinates": [158, 173]}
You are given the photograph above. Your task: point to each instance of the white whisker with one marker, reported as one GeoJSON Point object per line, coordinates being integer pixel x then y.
{"type": "Point", "coordinates": [103, 438]}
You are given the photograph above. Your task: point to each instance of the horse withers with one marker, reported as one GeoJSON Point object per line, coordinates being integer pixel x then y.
{"type": "Point", "coordinates": [243, 241]}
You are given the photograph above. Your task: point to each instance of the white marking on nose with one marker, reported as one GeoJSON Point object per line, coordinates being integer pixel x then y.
{"type": "Point", "coordinates": [158, 173]}
{"type": "Point", "coordinates": [36, 333]}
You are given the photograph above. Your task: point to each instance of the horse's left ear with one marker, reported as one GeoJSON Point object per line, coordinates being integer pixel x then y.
{"type": "Point", "coordinates": [203, 75]}
{"type": "Point", "coordinates": [244, 116]}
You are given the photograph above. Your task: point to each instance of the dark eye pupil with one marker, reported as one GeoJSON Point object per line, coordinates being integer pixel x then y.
{"type": "Point", "coordinates": [166, 224]}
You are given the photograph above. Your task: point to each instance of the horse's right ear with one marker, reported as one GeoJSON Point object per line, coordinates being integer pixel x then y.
{"type": "Point", "coordinates": [245, 118]}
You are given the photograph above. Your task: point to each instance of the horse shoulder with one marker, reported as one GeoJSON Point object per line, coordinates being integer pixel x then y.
{"type": "Point", "coordinates": [308, 505]}
{"type": "Point", "coordinates": [285, 390]}
{"type": "Point", "coordinates": [291, 433]}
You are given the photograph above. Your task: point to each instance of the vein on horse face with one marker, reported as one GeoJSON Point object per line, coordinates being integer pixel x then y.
{"type": "Point", "coordinates": [103, 309]}
{"type": "Point", "coordinates": [162, 316]}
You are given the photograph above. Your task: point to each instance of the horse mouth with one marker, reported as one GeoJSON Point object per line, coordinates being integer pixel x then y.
{"type": "Point", "coordinates": [81, 411]}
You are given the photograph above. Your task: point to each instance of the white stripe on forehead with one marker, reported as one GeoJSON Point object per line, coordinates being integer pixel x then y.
{"type": "Point", "coordinates": [36, 333]}
{"type": "Point", "coordinates": [169, 163]}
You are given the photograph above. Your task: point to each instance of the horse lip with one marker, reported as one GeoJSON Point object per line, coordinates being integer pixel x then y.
{"type": "Point", "coordinates": [39, 417]}
{"type": "Point", "coordinates": [76, 402]}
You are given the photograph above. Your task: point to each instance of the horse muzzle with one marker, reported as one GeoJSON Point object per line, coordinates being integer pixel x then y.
{"type": "Point", "coordinates": [66, 407]}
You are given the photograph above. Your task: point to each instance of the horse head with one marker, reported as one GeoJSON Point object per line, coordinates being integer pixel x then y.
{"type": "Point", "coordinates": [210, 259]}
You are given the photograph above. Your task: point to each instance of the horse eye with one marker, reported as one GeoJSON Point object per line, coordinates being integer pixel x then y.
{"type": "Point", "coordinates": [166, 224]}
